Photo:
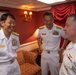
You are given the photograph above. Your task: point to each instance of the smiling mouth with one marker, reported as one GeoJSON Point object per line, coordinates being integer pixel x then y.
{"type": "Point", "coordinates": [11, 28]}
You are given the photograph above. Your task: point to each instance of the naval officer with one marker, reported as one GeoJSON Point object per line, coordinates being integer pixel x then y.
{"type": "Point", "coordinates": [9, 43]}
{"type": "Point", "coordinates": [68, 66]}
{"type": "Point", "coordinates": [49, 38]}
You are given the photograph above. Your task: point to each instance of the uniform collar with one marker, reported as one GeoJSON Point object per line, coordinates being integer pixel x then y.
{"type": "Point", "coordinates": [71, 45]}
{"type": "Point", "coordinates": [74, 46]}
{"type": "Point", "coordinates": [51, 28]}
{"type": "Point", "coordinates": [54, 26]}
{"type": "Point", "coordinates": [12, 36]}
{"type": "Point", "coordinates": [2, 34]}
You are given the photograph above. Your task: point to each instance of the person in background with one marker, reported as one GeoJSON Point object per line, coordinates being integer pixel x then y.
{"type": "Point", "coordinates": [9, 43]}
{"type": "Point", "coordinates": [49, 37]}
{"type": "Point", "coordinates": [68, 66]}
{"type": "Point", "coordinates": [0, 26]}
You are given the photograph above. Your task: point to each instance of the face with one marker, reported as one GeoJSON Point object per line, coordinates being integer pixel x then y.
{"type": "Point", "coordinates": [70, 28]}
{"type": "Point", "coordinates": [8, 25]}
{"type": "Point", "coordinates": [48, 20]}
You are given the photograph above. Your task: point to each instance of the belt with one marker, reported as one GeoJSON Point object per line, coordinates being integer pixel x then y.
{"type": "Point", "coordinates": [52, 52]}
{"type": "Point", "coordinates": [11, 61]}
{"type": "Point", "coordinates": [47, 51]}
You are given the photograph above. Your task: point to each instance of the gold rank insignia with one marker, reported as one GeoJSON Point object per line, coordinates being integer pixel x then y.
{"type": "Point", "coordinates": [14, 42]}
{"type": "Point", "coordinates": [59, 27]}
{"type": "Point", "coordinates": [55, 32]}
{"type": "Point", "coordinates": [41, 27]}
{"type": "Point", "coordinates": [14, 33]}
{"type": "Point", "coordinates": [2, 46]}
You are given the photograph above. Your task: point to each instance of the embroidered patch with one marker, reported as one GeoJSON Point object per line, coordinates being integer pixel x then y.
{"type": "Point", "coordinates": [14, 42]}
{"type": "Point", "coordinates": [55, 32]}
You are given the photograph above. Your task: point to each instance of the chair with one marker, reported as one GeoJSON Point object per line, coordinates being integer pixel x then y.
{"type": "Point", "coordinates": [27, 62]}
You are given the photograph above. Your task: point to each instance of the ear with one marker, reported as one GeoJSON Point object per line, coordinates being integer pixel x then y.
{"type": "Point", "coordinates": [2, 23]}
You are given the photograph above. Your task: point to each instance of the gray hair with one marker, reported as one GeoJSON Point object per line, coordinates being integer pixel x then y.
{"type": "Point", "coordinates": [72, 15]}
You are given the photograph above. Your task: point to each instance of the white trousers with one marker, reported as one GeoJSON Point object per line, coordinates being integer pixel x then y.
{"type": "Point", "coordinates": [9, 68]}
{"type": "Point", "coordinates": [49, 61]}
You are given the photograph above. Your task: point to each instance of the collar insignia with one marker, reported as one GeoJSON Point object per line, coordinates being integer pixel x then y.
{"type": "Point", "coordinates": [14, 42]}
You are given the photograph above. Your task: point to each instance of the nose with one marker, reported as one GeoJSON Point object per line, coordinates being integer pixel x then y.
{"type": "Point", "coordinates": [13, 24]}
{"type": "Point", "coordinates": [48, 22]}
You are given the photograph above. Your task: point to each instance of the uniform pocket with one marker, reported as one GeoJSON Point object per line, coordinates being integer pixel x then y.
{"type": "Point", "coordinates": [55, 38]}
{"type": "Point", "coordinates": [14, 48]}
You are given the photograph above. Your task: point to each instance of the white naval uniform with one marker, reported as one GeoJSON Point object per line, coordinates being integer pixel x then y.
{"type": "Point", "coordinates": [8, 62]}
{"type": "Point", "coordinates": [51, 42]}
{"type": "Point", "coordinates": [69, 60]}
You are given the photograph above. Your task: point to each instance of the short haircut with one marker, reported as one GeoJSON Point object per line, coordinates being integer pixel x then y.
{"type": "Point", "coordinates": [48, 13]}
{"type": "Point", "coordinates": [4, 16]}
{"type": "Point", "coordinates": [72, 15]}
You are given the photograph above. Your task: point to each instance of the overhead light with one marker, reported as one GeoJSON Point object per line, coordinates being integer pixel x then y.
{"type": "Point", "coordinates": [28, 15]}
{"type": "Point", "coordinates": [50, 1]}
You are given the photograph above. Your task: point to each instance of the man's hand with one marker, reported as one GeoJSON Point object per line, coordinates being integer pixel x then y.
{"type": "Point", "coordinates": [61, 51]}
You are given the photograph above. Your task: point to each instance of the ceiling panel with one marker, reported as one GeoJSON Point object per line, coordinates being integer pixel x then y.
{"type": "Point", "coordinates": [27, 4]}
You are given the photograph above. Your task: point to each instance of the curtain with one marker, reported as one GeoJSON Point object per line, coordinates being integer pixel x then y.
{"type": "Point", "coordinates": [61, 12]}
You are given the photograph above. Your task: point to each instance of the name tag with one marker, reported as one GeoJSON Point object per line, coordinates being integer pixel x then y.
{"type": "Point", "coordinates": [43, 33]}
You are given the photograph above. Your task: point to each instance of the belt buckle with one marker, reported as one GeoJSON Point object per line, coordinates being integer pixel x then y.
{"type": "Point", "coordinates": [11, 61]}
{"type": "Point", "coordinates": [48, 51]}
